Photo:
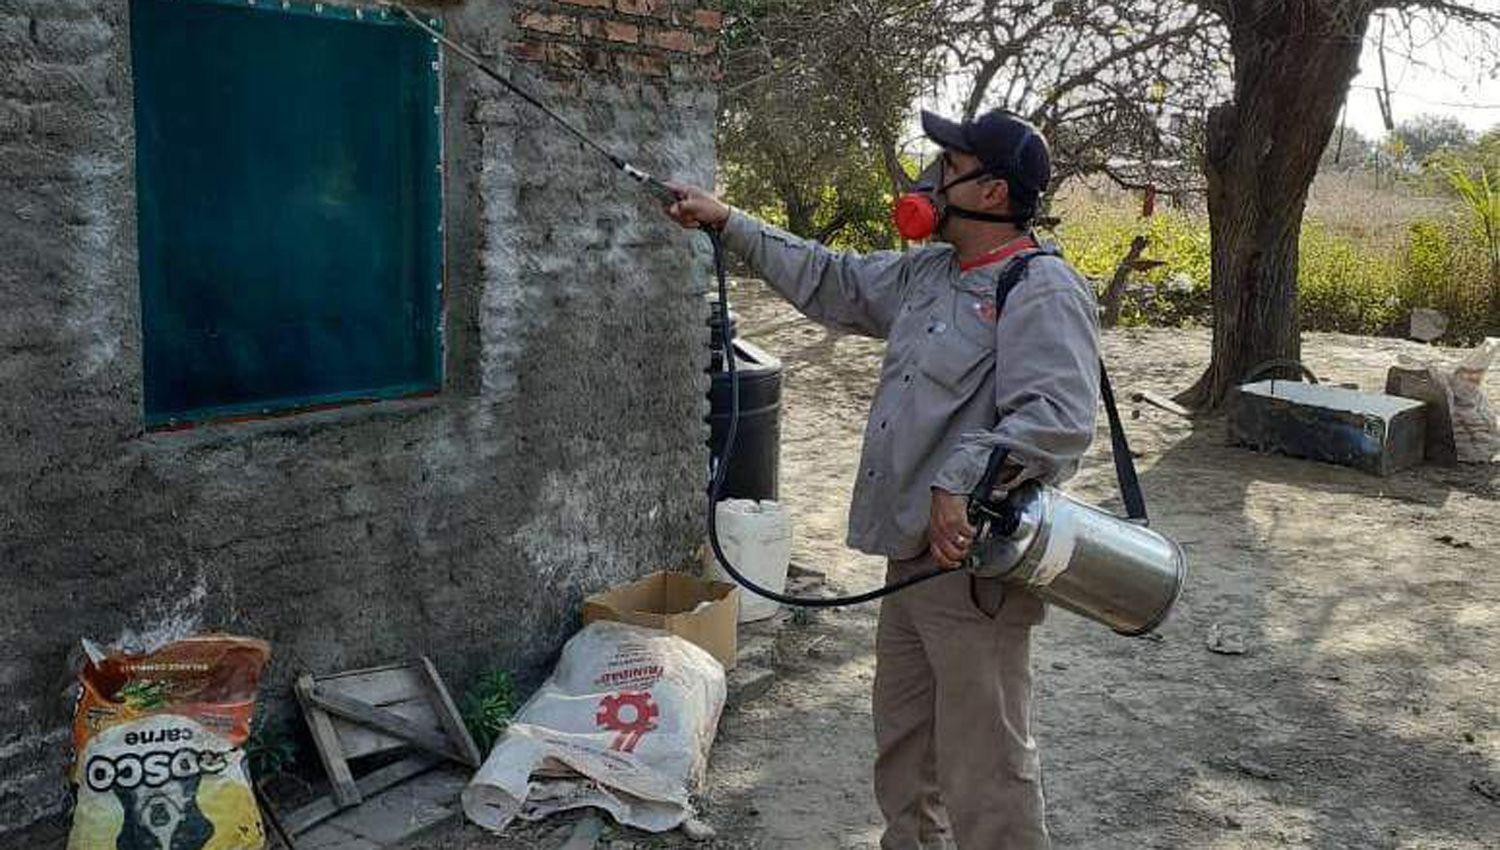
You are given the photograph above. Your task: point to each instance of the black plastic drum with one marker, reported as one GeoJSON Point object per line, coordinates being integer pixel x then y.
{"type": "Point", "coordinates": [755, 467]}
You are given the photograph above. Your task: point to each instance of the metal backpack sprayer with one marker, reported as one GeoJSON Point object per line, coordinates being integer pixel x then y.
{"type": "Point", "coordinates": [1113, 570]}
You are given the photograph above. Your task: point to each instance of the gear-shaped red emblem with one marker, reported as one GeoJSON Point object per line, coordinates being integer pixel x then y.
{"type": "Point", "coordinates": [629, 714]}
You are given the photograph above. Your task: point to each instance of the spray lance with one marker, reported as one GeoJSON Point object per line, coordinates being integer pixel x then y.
{"type": "Point", "coordinates": [1111, 570]}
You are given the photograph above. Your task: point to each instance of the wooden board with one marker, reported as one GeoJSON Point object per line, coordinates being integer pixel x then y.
{"type": "Point", "coordinates": [345, 792]}
{"type": "Point", "coordinates": [448, 714]}
{"type": "Point", "coordinates": [371, 784]}
{"type": "Point", "coordinates": [403, 731]}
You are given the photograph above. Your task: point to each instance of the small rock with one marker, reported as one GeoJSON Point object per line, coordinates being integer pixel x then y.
{"type": "Point", "coordinates": [748, 683]}
{"type": "Point", "coordinates": [1225, 640]}
{"type": "Point", "coordinates": [796, 570]}
{"type": "Point", "coordinates": [815, 648]}
{"type": "Point", "coordinates": [586, 833]}
{"type": "Point", "coordinates": [1233, 823]}
{"type": "Point", "coordinates": [1059, 665]}
{"type": "Point", "coordinates": [697, 830]}
{"type": "Point", "coordinates": [1255, 769]}
{"type": "Point", "coordinates": [1450, 540]}
{"type": "Point", "coordinates": [1487, 789]}
{"type": "Point", "coordinates": [1426, 325]}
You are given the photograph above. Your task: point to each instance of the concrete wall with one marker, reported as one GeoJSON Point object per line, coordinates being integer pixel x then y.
{"type": "Point", "coordinates": [566, 451]}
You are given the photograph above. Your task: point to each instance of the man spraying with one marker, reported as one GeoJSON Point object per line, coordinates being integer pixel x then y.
{"type": "Point", "coordinates": [952, 696]}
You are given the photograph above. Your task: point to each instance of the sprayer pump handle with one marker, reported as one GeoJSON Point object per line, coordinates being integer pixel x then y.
{"type": "Point", "coordinates": [981, 509]}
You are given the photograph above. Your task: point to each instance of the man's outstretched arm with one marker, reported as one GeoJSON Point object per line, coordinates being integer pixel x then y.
{"type": "Point", "coordinates": [860, 293]}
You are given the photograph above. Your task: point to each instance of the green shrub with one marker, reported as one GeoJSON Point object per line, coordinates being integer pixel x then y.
{"type": "Point", "coordinates": [1344, 286]}
{"type": "Point", "coordinates": [1348, 281]}
{"type": "Point", "coordinates": [270, 749]}
{"type": "Point", "coordinates": [488, 707]}
{"type": "Point", "coordinates": [1447, 268]}
{"type": "Point", "coordinates": [1095, 237]}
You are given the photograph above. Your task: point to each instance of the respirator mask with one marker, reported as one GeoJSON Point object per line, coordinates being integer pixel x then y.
{"type": "Point", "coordinates": [920, 213]}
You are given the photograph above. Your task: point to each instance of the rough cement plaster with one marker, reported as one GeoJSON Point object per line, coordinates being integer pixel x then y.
{"type": "Point", "coordinates": [565, 453]}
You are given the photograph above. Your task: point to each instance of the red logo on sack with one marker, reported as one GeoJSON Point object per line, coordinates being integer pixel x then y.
{"type": "Point", "coordinates": [630, 715]}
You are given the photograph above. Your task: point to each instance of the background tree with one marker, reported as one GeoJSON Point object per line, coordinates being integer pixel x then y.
{"type": "Point", "coordinates": [1119, 87]}
{"type": "Point", "coordinates": [1481, 154]}
{"type": "Point", "coordinates": [1426, 135]}
{"type": "Point", "coordinates": [815, 96]}
{"type": "Point", "coordinates": [1348, 150]}
{"type": "Point", "coordinates": [1293, 62]}
{"type": "Point", "coordinates": [819, 95]}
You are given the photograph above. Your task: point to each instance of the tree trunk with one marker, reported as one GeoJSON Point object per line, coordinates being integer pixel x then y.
{"type": "Point", "coordinates": [1116, 289]}
{"type": "Point", "coordinates": [801, 214]}
{"type": "Point", "coordinates": [1291, 75]}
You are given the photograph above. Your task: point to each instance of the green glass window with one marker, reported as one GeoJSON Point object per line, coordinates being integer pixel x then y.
{"type": "Point", "coordinates": [289, 187]}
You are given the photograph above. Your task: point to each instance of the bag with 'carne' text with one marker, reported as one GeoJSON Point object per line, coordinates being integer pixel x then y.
{"type": "Point", "coordinates": [158, 758]}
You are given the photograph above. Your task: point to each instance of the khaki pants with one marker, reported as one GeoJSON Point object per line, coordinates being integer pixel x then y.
{"type": "Point", "coordinates": [952, 712]}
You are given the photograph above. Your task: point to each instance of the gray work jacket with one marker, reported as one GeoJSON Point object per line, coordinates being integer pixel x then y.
{"type": "Point", "coordinates": [956, 380]}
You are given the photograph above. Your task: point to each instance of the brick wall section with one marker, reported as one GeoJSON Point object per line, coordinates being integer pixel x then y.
{"type": "Point", "coordinates": [650, 38]}
{"type": "Point", "coordinates": [565, 453]}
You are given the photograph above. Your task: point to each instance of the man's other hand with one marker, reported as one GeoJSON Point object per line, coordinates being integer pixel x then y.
{"type": "Point", "coordinates": [696, 208]}
{"type": "Point", "coordinates": [949, 534]}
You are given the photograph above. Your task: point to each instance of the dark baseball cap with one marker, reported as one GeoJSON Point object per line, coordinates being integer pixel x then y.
{"type": "Point", "coordinates": [1007, 144]}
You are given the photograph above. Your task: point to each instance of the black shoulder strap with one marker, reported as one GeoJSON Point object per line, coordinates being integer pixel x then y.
{"type": "Point", "coordinates": [1130, 483]}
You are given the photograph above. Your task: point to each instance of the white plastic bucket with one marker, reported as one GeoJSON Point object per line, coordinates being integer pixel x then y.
{"type": "Point", "coordinates": [756, 537]}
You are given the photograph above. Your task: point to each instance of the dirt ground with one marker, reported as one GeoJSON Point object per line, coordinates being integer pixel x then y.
{"type": "Point", "coordinates": [1363, 714]}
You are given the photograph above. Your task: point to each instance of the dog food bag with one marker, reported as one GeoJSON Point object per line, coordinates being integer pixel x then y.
{"type": "Point", "coordinates": [157, 742]}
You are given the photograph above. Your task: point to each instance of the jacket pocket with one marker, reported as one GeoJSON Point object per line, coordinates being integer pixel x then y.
{"type": "Point", "coordinates": [953, 361]}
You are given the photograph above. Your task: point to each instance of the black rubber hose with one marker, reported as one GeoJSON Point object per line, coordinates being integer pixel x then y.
{"type": "Point", "coordinates": [722, 468]}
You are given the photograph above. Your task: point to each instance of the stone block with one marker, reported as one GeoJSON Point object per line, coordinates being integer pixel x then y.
{"type": "Point", "coordinates": [1426, 325]}
{"type": "Point", "coordinates": [679, 41]}
{"type": "Point", "coordinates": [711, 19]}
{"type": "Point", "coordinates": [1426, 385]}
{"type": "Point", "coordinates": [1371, 432]}
{"type": "Point", "coordinates": [747, 683]}
{"type": "Point", "coordinates": [642, 8]}
{"type": "Point", "coordinates": [616, 31]}
{"type": "Point", "coordinates": [548, 23]}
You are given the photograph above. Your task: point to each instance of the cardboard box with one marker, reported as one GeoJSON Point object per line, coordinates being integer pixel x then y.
{"type": "Point", "coordinates": [671, 602]}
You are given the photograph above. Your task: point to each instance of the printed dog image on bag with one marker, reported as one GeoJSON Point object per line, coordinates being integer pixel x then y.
{"type": "Point", "coordinates": [165, 818]}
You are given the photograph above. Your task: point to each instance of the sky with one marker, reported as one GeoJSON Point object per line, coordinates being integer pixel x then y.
{"type": "Point", "coordinates": [1442, 76]}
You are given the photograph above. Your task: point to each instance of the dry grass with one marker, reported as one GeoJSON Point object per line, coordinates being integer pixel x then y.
{"type": "Point", "coordinates": [1377, 217]}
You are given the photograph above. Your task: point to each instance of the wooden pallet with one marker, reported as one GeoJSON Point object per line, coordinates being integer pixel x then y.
{"type": "Point", "coordinates": [368, 712]}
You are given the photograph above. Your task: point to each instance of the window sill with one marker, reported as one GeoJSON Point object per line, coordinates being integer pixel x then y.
{"type": "Point", "coordinates": [298, 421]}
